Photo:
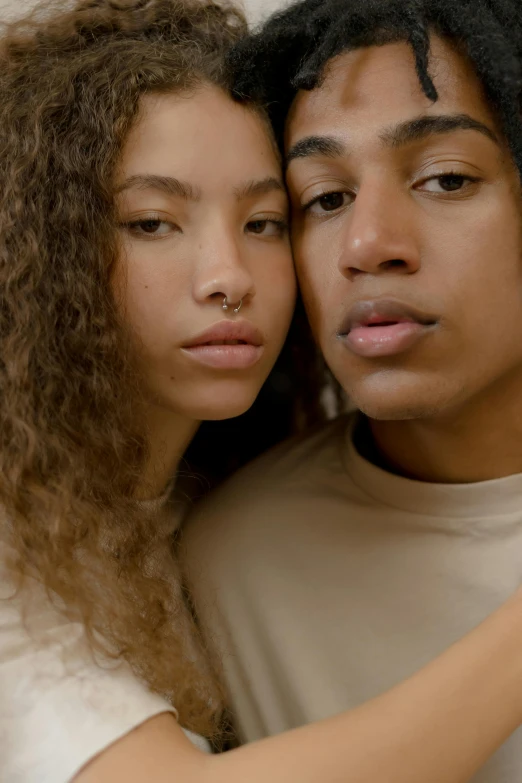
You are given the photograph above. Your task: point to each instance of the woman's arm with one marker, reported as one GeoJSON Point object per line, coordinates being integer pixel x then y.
{"type": "Point", "coordinates": [439, 726]}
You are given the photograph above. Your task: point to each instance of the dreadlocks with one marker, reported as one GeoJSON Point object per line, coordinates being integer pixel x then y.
{"type": "Point", "coordinates": [291, 51]}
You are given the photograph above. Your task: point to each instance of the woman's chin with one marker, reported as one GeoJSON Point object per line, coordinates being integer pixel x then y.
{"type": "Point", "coordinates": [219, 406]}
{"type": "Point", "coordinates": [209, 400]}
{"type": "Point", "coordinates": [226, 410]}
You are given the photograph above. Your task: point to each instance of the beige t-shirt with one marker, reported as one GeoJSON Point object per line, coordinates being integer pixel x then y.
{"type": "Point", "coordinates": [58, 707]}
{"type": "Point", "coordinates": [324, 581]}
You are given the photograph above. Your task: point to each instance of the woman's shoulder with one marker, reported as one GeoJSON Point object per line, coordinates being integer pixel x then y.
{"type": "Point", "coordinates": [61, 705]}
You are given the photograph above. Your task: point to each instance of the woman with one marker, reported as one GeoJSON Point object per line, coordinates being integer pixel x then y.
{"type": "Point", "coordinates": [146, 284]}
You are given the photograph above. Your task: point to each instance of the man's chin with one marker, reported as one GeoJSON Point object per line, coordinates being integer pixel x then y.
{"type": "Point", "coordinates": [402, 412]}
{"type": "Point", "coordinates": [395, 402]}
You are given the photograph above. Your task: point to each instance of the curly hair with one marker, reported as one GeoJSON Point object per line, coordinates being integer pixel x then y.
{"type": "Point", "coordinates": [72, 442]}
{"type": "Point", "coordinates": [291, 51]}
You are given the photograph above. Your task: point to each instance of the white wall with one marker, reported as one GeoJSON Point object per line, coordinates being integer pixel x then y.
{"type": "Point", "coordinates": [256, 9]}
{"type": "Point", "coordinates": [260, 9]}
{"type": "Point", "coordinates": [12, 8]}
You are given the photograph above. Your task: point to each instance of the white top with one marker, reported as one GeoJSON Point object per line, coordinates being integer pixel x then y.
{"type": "Point", "coordinates": [58, 707]}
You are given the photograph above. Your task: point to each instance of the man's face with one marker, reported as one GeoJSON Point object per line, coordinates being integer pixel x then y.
{"type": "Point", "coordinates": [407, 232]}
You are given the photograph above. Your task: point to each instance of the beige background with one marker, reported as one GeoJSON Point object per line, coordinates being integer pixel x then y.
{"type": "Point", "coordinates": [256, 9]}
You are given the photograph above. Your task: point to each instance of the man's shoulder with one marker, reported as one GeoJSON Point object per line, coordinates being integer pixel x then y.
{"type": "Point", "coordinates": [297, 460]}
{"type": "Point", "coordinates": [279, 478]}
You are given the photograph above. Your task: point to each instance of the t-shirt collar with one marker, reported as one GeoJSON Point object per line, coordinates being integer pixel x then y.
{"type": "Point", "coordinates": [497, 497]}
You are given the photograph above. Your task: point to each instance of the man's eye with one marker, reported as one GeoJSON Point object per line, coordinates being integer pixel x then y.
{"type": "Point", "coordinates": [327, 202]}
{"type": "Point", "coordinates": [447, 183]}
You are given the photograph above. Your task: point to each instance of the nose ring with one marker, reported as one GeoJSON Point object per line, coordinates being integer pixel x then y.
{"type": "Point", "coordinates": [236, 309]}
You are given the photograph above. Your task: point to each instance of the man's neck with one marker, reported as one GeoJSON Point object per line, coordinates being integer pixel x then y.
{"type": "Point", "coordinates": [478, 442]}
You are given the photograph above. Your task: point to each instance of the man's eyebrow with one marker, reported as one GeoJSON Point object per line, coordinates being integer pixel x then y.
{"type": "Point", "coordinates": [427, 125]}
{"type": "Point", "coordinates": [259, 187]}
{"type": "Point", "coordinates": [169, 185]}
{"type": "Point", "coordinates": [417, 129]}
{"type": "Point", "coordinates": [327, 146]}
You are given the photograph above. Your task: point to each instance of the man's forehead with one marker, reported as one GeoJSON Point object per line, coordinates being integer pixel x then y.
{"type": "Point", "coordinates": [379, 86]}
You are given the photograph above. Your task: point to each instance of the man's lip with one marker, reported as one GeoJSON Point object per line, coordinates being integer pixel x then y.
{"type": "Point", "coordinates": [373, 312]}
{"type": "Point", "coordinates": [226, 331]}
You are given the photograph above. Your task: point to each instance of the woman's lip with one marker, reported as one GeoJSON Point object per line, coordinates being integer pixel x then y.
{"type": "Point", "coordinates": [375, 341]}
{"type": "Point", "coordinates": [227, 331]}
{"type": "Point", "coordinates": [226, 357]}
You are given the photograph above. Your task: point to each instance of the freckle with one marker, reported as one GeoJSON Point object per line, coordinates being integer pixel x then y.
{"type": "Point", "coordinates": [172, 378]}
{"type": "Point", "coordinates": [146, 286]}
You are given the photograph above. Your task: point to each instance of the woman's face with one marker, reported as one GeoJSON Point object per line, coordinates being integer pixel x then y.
{"type": "Point", "coordinates": [203, 222]}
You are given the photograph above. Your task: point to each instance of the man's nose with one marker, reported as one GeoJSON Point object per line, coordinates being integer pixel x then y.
{"type": "Point", "coordinates": [222, 273]}
{"type": "Point", "coordinates": [380, 237]}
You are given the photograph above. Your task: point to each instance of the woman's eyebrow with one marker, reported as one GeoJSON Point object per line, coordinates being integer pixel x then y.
{"type": "Point", "coordinates": [259, 187]}
{"type": "Point", "coordinates": [169, 185]}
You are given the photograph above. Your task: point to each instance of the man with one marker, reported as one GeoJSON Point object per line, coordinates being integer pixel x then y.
{"type": "Point", "coordinates": [336, 566]}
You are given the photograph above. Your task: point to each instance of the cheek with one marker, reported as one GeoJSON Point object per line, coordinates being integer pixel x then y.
{"type": "Point", "coordinates": [148, 292]}
{"type": "Point", "coordinates": [276, 286]}
{"type": "Point", "coordinates": [319, 280]}
{"type": "Point", "coordinates": [483, 276]}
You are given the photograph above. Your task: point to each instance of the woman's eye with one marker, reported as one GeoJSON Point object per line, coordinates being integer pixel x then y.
{"type": "Point", "coordinates": [327, 202]}
{"type": "Point", "coordinates": [267, 227]}
{"type": "Point", "coordinates": [446, 183]}
{"type": "Point", "coordinates": [150, 227]}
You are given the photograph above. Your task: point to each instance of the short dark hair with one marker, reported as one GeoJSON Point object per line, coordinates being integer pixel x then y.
{"type": "Point", "coordinates": [291, 51]}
